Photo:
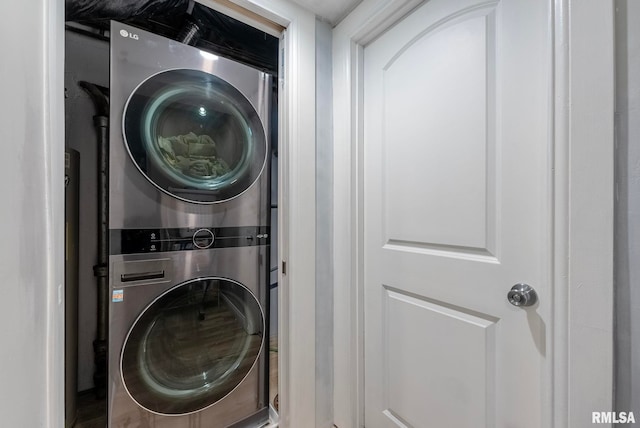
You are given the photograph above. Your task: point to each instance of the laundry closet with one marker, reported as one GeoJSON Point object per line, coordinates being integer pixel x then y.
{"type": "Point", "coordinates": [171, 218]}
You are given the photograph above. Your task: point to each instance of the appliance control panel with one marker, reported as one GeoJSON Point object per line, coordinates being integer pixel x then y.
{"type": "Point", "coordinates": [135, 241]}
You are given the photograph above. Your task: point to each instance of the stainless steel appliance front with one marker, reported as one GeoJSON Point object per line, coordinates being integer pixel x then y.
{"type": "Point", "coordinates": [189, 236]}
{"type": "Point", "coordinates": [187, 338]}
{"type": "Point", "coordinates": [188, 143]}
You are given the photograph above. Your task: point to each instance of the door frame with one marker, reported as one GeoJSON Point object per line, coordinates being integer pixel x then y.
{"type": "Point", "coordinates": [296, 214]}
{"type": "Point", "coordinates": [580, 208]}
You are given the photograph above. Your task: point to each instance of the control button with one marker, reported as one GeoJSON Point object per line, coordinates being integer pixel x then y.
{"type": "Point", "coordinates": [203, 238]}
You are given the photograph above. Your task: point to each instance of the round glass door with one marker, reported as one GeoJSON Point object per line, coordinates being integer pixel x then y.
{"type": "Point", "coordinates": [194, 136]}
{"type": "Point", "coordinates": [192, 346]}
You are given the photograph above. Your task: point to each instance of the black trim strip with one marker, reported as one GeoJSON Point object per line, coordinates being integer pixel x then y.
{"type": "Point", "coordinates": [136, 241]}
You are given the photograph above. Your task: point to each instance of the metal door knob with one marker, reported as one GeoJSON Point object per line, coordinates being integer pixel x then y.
{"type": "Point", "coordinates": [522, 295]}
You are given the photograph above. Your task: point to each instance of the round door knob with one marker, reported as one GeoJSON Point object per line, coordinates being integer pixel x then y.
{"type": "Point", "coordinates": [522, 295]}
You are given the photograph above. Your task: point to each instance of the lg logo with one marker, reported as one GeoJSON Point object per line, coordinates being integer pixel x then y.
{"type": "Point", "coordinates": [125, 33]}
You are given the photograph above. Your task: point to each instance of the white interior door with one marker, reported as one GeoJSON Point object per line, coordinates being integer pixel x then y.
{"type": "Point", "coordinates": [456, 212]}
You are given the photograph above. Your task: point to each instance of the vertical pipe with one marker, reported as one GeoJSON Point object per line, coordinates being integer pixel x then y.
{"type": "Point", "coordinates": [101, 270]}
{"type": "Point", "coordinates": [102, 126]}
{"type": "Point", "coordinates": [71, 204]}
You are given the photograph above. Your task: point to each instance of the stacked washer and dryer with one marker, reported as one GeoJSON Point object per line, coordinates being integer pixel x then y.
{"type": "Point", "coordinates": [189, 236]}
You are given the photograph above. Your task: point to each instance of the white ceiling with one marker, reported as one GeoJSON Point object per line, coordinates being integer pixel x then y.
{"type": "Point", "coordinates": [331, 10]}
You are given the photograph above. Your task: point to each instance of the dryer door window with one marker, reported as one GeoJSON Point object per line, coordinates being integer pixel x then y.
{"type": "Point", "coordinates": [194, 136]}
{"type": "Point", "coordinates": [192, 346]}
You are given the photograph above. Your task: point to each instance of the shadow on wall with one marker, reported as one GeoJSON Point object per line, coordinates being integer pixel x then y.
{"type": "Point", "coordinates": [627, 220]}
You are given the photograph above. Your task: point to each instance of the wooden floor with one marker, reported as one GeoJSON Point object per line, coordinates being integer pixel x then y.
{"type": "Point", "coordinates": [92, 413]}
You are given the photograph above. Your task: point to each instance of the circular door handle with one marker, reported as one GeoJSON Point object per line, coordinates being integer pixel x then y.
{"type": "Point", "coordinates": [522, 295]}
{"type": "Point", "coordinates": [203, 239]}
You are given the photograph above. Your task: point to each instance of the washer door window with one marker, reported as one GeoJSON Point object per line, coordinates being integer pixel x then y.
{"type": "Point", "coordinates": [194, 136]}
{"type": "Point", "coordinates": [192, 346]}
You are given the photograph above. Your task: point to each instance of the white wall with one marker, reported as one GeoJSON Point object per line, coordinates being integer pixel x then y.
{"type": "Point", "coordinates": [627, 373]}
{"type": "Point", "coordinates": [31, 220]}
{"type": "Point", "coordinates": [324, 227]}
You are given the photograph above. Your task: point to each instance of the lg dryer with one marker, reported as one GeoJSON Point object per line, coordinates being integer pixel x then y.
{"type": "Point", "coordinates": [188, 136]}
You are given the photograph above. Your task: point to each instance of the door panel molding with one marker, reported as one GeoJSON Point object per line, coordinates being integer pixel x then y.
{"type": "Point", "coordinates": [466, 219]}
{"type": "Point", "coordinates": [459, 351]}
{"type": "Point", "coordinates": [580, 209]}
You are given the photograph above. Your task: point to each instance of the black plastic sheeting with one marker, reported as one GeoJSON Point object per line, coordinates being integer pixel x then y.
{"type": "Point", "coordinates": [120, 10]}
{"type": "Point", "coordinates": [217, 33]}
